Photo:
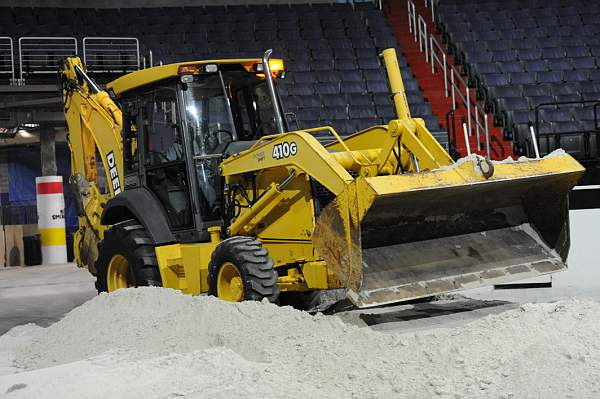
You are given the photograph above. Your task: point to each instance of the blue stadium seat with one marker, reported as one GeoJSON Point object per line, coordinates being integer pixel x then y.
{"type": "Point", "coordinates": [386, 112]}
{"type": "Point", "coordinates": [333, 113]}
{"type": "Point", "coordinates": [328, 76]}
{"type": "Point", "coordinates": [529, 54]}
{"type": "Point", "coordinates": [361, 111]}
{"type": "Point", "coordinates": [368, 63]}
{"type": "Point", "coordinates": [362, 100]}
{"type": "Point", "coordinates": [508, 67]}
{"type": "Point", "coordinates": [583, 63]}
{"type": "Point", "coordinates": [352, 87]}
{"type": "Point", "coordinates": [549, 77]}
{"type": "Point", "coordinates": [374, 75]}
{"type": "Point", "coordinates": [382, 99]}
{"type": "Point", "coordinates": [521, 78]}
{"type": "Point", "coordinates": [345, 64]}
{"type": "Point", "coordinates": [560, 64]}
{"type": "Point", "coordinates": [537, 90]}
{"type": "Point", "coordinates": [333, 100]}
{"type": "Point", "coordinates": [553, 52]}
{"type": "Point", "coordinates": [374, 86]}
{"type": "Point", "coordinates": [330, 50]}
{"type": "Point", "coordinates": [555, 115]}
{"type": "Point", "coordinates": [351, 76]}
{"type": "Point", "coordinates": [535, 101]}
{"type": "Point", "coordinates": [327, 88]}
{"type": "Point", "coordinates": [536, 65]}
{"type": "Point", "coordinates": [344, 53]}
{"type": "Point", "coordinates": [504, 55]}
{"type": "Point", "coordinates": [580, 75]}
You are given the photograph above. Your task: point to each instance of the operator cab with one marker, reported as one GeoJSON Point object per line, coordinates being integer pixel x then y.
{"type": "Point", "coordinates": [176, 130]}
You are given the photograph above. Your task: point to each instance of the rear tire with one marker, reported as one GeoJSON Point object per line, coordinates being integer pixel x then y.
{"type": "Point", "coordinates": [127, 242]}
{"type": "Point", "coordinates": [247, 258]}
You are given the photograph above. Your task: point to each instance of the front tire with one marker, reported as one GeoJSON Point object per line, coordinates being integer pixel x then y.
{"type": "Point", "coordinates": [241, 269]}
{"type": "Point", "coordinates": [126, 258]}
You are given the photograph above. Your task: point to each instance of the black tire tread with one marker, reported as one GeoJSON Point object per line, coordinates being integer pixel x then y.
{"type": "Point", "coordinates": [254, 263]}
{"type": "Point", "coordinates": [131, 240]}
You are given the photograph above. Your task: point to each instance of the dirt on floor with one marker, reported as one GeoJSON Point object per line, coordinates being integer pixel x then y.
{"type": "Point", "coordinates": [159, 343]}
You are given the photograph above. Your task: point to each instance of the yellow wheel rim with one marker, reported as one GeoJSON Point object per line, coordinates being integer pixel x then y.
{"type": "Point", "coordinates": [119, 275]}
{"type": "Point", "coordinates": [230, 286]}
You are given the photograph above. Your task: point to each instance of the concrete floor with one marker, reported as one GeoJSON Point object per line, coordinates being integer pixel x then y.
{"type": "Point", "coordinates": [43, 294]}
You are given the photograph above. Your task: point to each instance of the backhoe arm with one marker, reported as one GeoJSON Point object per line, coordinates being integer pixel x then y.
{"type": "Point", "coordinates": [94, 122]}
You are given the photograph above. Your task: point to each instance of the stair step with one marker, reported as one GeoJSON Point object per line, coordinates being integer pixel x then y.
{"type": "Point", "coordinates": [432, 85]}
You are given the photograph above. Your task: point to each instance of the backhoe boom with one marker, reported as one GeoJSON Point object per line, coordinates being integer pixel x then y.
{"type": "Point", "coordinates": [95, 123]}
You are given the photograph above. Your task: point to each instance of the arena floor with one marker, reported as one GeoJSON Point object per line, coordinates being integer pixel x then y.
{"type": "Point", "coordinates": [43, 294]}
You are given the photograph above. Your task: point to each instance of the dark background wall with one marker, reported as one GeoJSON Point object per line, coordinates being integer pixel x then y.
{"type": "Point", "coordinates": [147, 3]}
{"type": "Point", "coordinates": [22, 165]}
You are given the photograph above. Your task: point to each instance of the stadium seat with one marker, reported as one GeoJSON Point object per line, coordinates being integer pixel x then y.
{"type": "Point", "coordinates": [330, 51]}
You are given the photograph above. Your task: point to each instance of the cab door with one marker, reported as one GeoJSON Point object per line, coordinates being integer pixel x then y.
{"type": "Point", "coordinates": [131, 146]}
{"type": "Point", "coordinates": [164, 158]}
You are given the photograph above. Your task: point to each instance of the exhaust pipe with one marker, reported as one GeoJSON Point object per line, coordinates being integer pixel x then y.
{"type": "Point", "coordinates": [272, 93]}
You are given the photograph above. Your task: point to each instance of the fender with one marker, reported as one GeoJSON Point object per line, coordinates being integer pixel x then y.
{"type": "Point", "coordinates": [142, 205]}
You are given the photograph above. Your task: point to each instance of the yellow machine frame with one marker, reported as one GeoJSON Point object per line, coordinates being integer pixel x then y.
{"type": "Point", "coordinates": [357, 171]}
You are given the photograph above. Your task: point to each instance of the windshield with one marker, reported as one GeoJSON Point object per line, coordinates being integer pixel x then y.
{"type": "Point", "coordinates": [227, 106]}
{"type": "Point", "coordinates": [220, 108]}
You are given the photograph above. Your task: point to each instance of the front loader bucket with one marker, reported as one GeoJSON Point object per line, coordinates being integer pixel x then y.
{"type": "Point", "coordinates": [401, 237]}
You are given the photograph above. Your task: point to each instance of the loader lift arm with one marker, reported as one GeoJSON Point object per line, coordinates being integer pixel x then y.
{"type": "Point", "coordinates": [368, 153]}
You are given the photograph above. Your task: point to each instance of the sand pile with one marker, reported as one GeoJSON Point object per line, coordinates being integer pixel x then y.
{"type": "Point", "coordinates": [157, 343]}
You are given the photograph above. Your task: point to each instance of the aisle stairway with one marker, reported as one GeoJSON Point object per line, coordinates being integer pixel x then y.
{"type": "Point", "coordinates": [432, 85]}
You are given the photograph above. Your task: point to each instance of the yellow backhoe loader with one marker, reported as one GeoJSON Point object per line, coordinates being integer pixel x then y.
{"type": "Point", "coordinates": [187, 176]}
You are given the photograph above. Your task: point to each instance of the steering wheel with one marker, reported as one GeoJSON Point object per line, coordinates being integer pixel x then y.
{"type": "Point", "coordinates": [162, 157]}
{"type": "Point", "coordinates": [223, 131]}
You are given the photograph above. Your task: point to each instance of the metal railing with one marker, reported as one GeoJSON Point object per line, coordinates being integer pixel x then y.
{"type": "Point", "coordinates": [111, 54]}
{"type": "Point", "coordinates": [44, 54]}
{"type": "Point", "coordinates": [431, 4]}
{"type": "Point", "coordinates": [422, 35]}
{"type": "Point", "coordinates": [412, 18]}
{"type": "Point", "coordinates": [454, 85]}
{"type": "Point", "coordinates": [441, 61]}
{"type": "Point", "coordinates": [148, 60]}
{"type": "Point", "coordinates": [7, 60]}
{"type": "Point", "coordinates": [532, 147]}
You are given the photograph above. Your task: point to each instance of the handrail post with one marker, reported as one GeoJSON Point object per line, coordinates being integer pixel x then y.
{"type": "Point", "coordinates": [422, 28]}
{"type": "Point", "coordinates": [431, 57]}
{"type": "Point", "coordinates": [20, 62]}
{"type": "Point", "coordinates": [445, 76]}
{"type": "Point", "coordinates": [409, 20]}
{"type": "Point", "coordinates": [478, 140]}
{"type": "Point", "coordinates": [425, 39]}
{"type": "Point", "coordinates": [84, 55]}
{"type": "Point", "coordinates": [12, 61]}
{"type": "Point", "coordinates": [487, 135]}
{"type": "Point", "coordinates": [534, 141]}
{"type": "Point", "coordinates": [453, 85]}
{"type": "Point", "coordinates": [469, 109]}
{"type": "Point", "coordinates": [466, 135]}
{"type": "Point", "coordinates": [137, 52]}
